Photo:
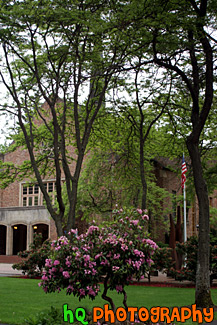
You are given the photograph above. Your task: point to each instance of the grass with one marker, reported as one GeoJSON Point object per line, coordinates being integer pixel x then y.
{"type": "Point", "coordinates": [22, 298]}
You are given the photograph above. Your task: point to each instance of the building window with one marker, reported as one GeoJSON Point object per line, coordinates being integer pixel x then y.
{"type": "Point", "coordinates": [32, 195]}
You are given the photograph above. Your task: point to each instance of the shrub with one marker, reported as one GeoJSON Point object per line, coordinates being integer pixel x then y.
{"type": "Point", "coordinates": [35, 257]}
{"type": "Point", "coordinates": [189, 252]}
{"type": "Point", "coordinates": [162, 259]}
{"type": "Point", "coordinates": [111, 254]}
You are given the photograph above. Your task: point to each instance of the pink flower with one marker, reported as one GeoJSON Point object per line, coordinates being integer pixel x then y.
{"type": "Point", "coordinates": [129, 261]}
{"type": "Point", "coordinates": [145, 217]}
{"type": "Point", "coordinates": [87, 271]}
{"type": "Point", "coordinates": [116, 256]}
{"type": "Point", "coordinates": [68, 263]}
{"type": "Point", "coordinates": [48, 262]}
{"type": "Point", "coordinates": [73, 231]}
{"type": "Point", "coordinates": [134, 222]}
{"type": "Point", "coordinates": [119, 288]}
{"type": "Point", "coordinates": [136, 252]}
{"type": "Point", "coordinates": [150, 243]}
{"type": "Point", "coordinates": [56, 262]}
{"type": "Point", "coordinates": [44, 277]}
{"type": "Point", "coordinates": [86, 258]}
{"type": "Point", "coordinates": [66, 274]}
{"type": "Point", "coordinates": [104, 262]}
{"type": "Point", "coordinates": [98, 255]}
{"type": "Point", "coordinates": [149, 261]}
{"type": "Point", "coordinates": [137, 264]}
{"type": "Point", "coordinates": [91, 292]}
{"type": "Point", "coordinates": [45, 289]}
{"type": "Point", "coordinates": [115, 268]}
{"type": "Point", "coordinates": [124, 247]}
{"type": "Point", "coordinates": [92, 229]}
{"type": "Point", "coordinates": [139, 211]}
{"type": "Point", "coordinates": [70, 288]}
{"type": "Point", "coordinates": [82, 292]}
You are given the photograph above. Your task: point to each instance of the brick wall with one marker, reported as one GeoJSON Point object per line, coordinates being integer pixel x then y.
{"type": "Point", "coordinates": [10, 195]}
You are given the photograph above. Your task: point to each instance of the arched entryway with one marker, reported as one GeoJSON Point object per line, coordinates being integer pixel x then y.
{"type": "Point", "coordinates": [43, 229]}
{"type": "Point", "coordinates": [19, 238]}
{"type": "Point", "coordinates": [3, 234]}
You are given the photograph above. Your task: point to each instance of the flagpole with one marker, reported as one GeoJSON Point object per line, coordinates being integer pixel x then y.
{"type": "Point", "coordinates": [185, 225]}
{"type": "Point", "coordinates": [184, 170]}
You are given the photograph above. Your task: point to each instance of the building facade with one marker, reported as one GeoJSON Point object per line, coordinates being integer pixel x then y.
{"type": "Point", "coordinates": [22, 210]}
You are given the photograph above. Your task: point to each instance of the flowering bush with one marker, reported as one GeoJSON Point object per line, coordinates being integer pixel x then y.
{"type": "Point", "coordinates": [112, 254]}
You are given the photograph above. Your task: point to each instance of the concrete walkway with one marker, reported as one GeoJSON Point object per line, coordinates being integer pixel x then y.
{"type": "Point", "coordinates": [7, 270]}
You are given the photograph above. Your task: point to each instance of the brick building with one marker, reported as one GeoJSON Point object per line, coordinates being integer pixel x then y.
{"type": "Point", "coordinates": [22, 212]}
{"type": "Point", "coordinates": [168, 179]}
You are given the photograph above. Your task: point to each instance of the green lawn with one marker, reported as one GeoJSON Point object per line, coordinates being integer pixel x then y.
{"type": "Point", "coordinates": [21, 298]}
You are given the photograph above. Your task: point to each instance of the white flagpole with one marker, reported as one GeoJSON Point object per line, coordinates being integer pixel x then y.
{"type": "Point", "coordinates": [185, 225]}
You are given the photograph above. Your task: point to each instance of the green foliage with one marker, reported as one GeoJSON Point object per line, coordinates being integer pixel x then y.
{"type": "Point", "coordinates": [189, 252]}
{"type": "Point", "coordinates": [111, 171]}
{"type": "Point", "coordinates": [162, 259]}
{"type": "Point", "coordinates": [54, 317]}
{"type": "Point", "coordinates": [34, 259]}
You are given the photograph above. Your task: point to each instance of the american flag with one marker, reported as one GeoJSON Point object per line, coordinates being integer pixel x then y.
{"type": "Point", "coordinates": [184, 170]}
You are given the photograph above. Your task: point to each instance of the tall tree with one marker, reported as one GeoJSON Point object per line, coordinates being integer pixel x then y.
{"type": "Point", "coordinates": [111, 173]}
{"type": "Point", "coordinates": [143, 109]}
{"type": "Point", "coordinates": [54, 50]}
{"type": "Point", "coordinates": [182, 44]}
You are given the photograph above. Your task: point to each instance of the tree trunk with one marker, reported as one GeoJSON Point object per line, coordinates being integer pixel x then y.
{"type": "Point", "coordinates": [202, 293]}
{"type": "Point", "coordinates": [59, 228]}
{"type": "Point", "coordinates": [142, 175]}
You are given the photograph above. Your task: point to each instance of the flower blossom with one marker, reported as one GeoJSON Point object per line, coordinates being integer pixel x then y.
{"type": "Point", "coordinates": [145, 217]}
{"type": "Point", "coordinates": [73, 231]}
{"type": "Point", "coordinates": [119, 288]}
{"type": "Point", "coordinates": [134, 222]}
{"type": "Point", "coordinates": [116, 256]}
{"type": "Point", "coordinates": [92, 229]}
{"type": "Point", "coordinates": [48, 262]}
{"type": "Point", "coordinates": [66, 274]}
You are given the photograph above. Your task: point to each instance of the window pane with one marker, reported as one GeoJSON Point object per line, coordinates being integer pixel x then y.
{"type": "Point", "coordinates": [24, 201]}
{"type": "Point", "coordinates": [24, 189]}
{"type": "Point", "coordinates": [50, 187]}
{"type": "Point", "coordinates": [30, 201]}
{"type": "Point", "coordinates": [30, 189]}
{"type": "Point", "coordinates": [36, 200]}
{"type": "Point", "coordinates": [36, 189]}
